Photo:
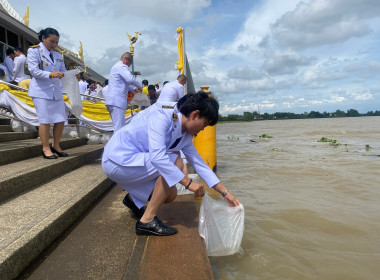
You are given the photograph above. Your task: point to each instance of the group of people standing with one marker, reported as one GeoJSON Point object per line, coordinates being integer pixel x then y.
{"type": "Point", "coordinates": [13, 66]}
{"type": "Point", "coordinates": [143, 156]}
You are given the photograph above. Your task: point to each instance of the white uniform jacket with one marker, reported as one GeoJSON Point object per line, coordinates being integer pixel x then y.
{"type": "Point", "coordinates": [150, 136]}
{"type": "Point", "coordinates": [8, 77]}
{"type": "Point", "coordinates": [9, 63]}
{"type": "Point", "coordinates": [41, 85]}
{"type": "Point", "coordinates": [172, 92]}
{"type": "Point", "coordinates": [120, 81]}
{"type": "Point", "coordinates": [18, 69]}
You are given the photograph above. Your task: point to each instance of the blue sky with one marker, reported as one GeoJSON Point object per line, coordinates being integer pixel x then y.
{"type": "Point", "coordinates": [272, 56]}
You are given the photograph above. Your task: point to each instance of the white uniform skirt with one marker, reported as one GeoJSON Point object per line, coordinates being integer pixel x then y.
{"type": "Point", "coordinates": [49, 110]}
{"type": "Point", "coordinates": [138, 181]}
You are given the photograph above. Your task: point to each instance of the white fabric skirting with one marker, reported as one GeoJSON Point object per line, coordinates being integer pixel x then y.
{"type": "Point", "coordinates": [28, 114]}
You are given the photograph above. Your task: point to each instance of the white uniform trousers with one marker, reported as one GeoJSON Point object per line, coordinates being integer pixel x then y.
{"type": "Point", "coordinates": [138, 181]}
{"type": "Point", "coordinates": [117, 116]}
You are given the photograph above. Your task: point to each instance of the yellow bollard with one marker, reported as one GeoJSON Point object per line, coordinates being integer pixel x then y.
{"type": "Point", "coordinates": [205, 141]}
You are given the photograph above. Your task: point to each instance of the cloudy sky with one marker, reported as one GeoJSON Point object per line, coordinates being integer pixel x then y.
{"type": "Point", "coordinates": [266, 55]}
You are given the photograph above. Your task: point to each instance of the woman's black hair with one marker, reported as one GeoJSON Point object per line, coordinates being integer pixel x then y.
{"type": "Point", "coordinates": [46, 32]}
{"type": "Point", "coordinates": [207, 105]}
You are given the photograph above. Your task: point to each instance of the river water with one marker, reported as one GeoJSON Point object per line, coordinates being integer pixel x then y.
{"type": "Point", "coordinates": [312, 210]}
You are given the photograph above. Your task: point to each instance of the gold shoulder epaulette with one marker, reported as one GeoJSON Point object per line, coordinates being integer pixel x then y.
{"type": "Point", "coordinates": [34, 46]}
{"type": "Point", "coordinates": [167, 107]}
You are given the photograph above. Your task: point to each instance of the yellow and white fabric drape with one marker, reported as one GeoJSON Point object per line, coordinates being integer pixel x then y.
{"type": "Point", "coordinates": [93, 114]}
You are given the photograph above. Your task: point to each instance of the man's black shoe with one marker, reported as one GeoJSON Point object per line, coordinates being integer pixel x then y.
{"type": "Point", "coordinates": [131, 205]}
{"type": "Point", "coordinates": [155, 227]}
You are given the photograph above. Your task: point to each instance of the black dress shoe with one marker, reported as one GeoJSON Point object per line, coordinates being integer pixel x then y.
{"type": "Point", "coordinates": [155, 227]}
{"type": "Point", "coordinates": [48, 157]}
{"type": "Point", "coordinates": [60, 154]}
{"type": "Point", "coordinates": [131, 205]}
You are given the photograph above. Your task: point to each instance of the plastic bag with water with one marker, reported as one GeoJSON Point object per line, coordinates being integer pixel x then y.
{"type": "Point", "coordinates": [221, 226]}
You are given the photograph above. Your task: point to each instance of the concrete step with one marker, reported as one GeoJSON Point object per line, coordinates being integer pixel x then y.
{"type": "Point", "coordinates": [33, 220]}
{"type": "Point", "coordinates": [24, 175]}
{"type": "Point", "coordinates": [13, 136]}
{"type": "Point", "coordinates": [23, 149]}
{"type": "Point", "coordinates": [104, 245]}
{"type": "Point", "coordinates": [5, 128]}
{"type": "Point", "coordinates": [99, 246]}
{"type": "Point", "coordinates": [5, 121]}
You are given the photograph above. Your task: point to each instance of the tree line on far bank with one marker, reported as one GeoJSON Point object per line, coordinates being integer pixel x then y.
{"type": "Point", "coordinates": [248, 116]}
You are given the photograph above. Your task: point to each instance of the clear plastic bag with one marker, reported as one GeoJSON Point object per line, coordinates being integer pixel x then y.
{"type": "Point", "coordinates": [71, 87]}
{"type": "Point", "coordinates": [221, 226]}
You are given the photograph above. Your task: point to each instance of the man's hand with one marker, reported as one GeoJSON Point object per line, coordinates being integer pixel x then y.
{"type": "Point", "coordinates": [197, 188]}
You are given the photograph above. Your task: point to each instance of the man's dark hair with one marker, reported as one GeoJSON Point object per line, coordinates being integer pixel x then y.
{"type": "Point", "coordinates": [207, 105]}
{"type": "Point", "coordinates": [145, 82]}
{"type": "Point", "coordinates": [151, 87]}
{"type": "Point", "coordinates": [1, 59]}
{"type": "Point", "coordinates": [2, 73]}
{"type": "Point", "coordinates": [165, 83]}
{"type": "Point", "coordinates": [19, 50]}
{"type": "Point", "coordinates": [106, 82]}
{"type": "Point", "coordinates": [10, 51]}
{"type": "Point", "coordinates": [47, 32]}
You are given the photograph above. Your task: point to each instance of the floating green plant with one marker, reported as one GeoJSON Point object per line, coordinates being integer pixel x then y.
{"type": "Point", "coordinates": [276, 149]}
{"type": "Point", "coordinates": [368, 148]}
{"type": "Point", "coordinates": [233, 138]}
{"type": "Point", "coordinates": [265, 135]}
{"type": "Point", "coordinates": [332, 142]}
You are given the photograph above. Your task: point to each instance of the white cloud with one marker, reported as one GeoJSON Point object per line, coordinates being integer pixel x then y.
{"type": "Point", "coordinates": [324, 22]}
{"type": "Point", "coordinates": [286, 63]}
{"type": "Point", "coordinates": [244, 72]}
{"type": "Point", "coordinates": [164, 11]}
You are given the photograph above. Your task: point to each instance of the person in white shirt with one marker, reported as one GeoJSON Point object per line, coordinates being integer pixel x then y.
{"type": "Point", "coordinates": [8, 62]}
{"type": "Point", "coordinates": [105, 89]}
{"type": "Point", "coordinates": [120, 82]}
{"type": "Point", "coordinates": [18, 69]}
{"type": "Point", "coordinates": [82, 87]}
{"type": "Point", "coordinates": [173, 91]}
{"type": "Point", "coordinates": [6, 77]}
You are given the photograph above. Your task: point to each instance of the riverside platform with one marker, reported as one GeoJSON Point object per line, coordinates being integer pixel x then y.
{"type": "Point", "coordinates": [103, 245]}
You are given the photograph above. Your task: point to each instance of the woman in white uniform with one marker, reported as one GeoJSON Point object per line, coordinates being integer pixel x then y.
{"type": "Point", "coordinates": [46, 67]}
{"type": "Point", "coordinates": [141, 158]}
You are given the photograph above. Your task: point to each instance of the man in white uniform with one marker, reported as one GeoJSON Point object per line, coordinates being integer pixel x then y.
{"type": "Point", "coordinates": [174, 90]}
{"type": "Point", "coordinates": [120, 82]}
{"type": "Point", "coordinates": [18, 70]}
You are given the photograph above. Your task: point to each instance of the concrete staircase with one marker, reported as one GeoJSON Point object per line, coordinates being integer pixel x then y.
{"type": "Point", "coordinates": [39, 198]}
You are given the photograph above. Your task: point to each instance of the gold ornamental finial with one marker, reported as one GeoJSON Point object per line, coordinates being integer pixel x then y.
{"type": "Point", "coordinates": [26, 16]}
{"type": "Point", "coordinates": [80, 53]}
{"type": "Point", "coordinates": [133, 40]}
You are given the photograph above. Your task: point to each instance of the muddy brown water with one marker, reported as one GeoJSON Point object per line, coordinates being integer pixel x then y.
{"type": "Point", "coordinates": [312, 209]}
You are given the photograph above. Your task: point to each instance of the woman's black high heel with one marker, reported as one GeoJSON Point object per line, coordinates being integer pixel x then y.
{"type": "Point", "coordinates": [48, 157]}
{"type": "Point", "coordinates": [60, 154]}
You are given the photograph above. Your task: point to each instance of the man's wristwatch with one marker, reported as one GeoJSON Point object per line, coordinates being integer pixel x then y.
{"type": "Point", "coordinates": [224, 193]}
